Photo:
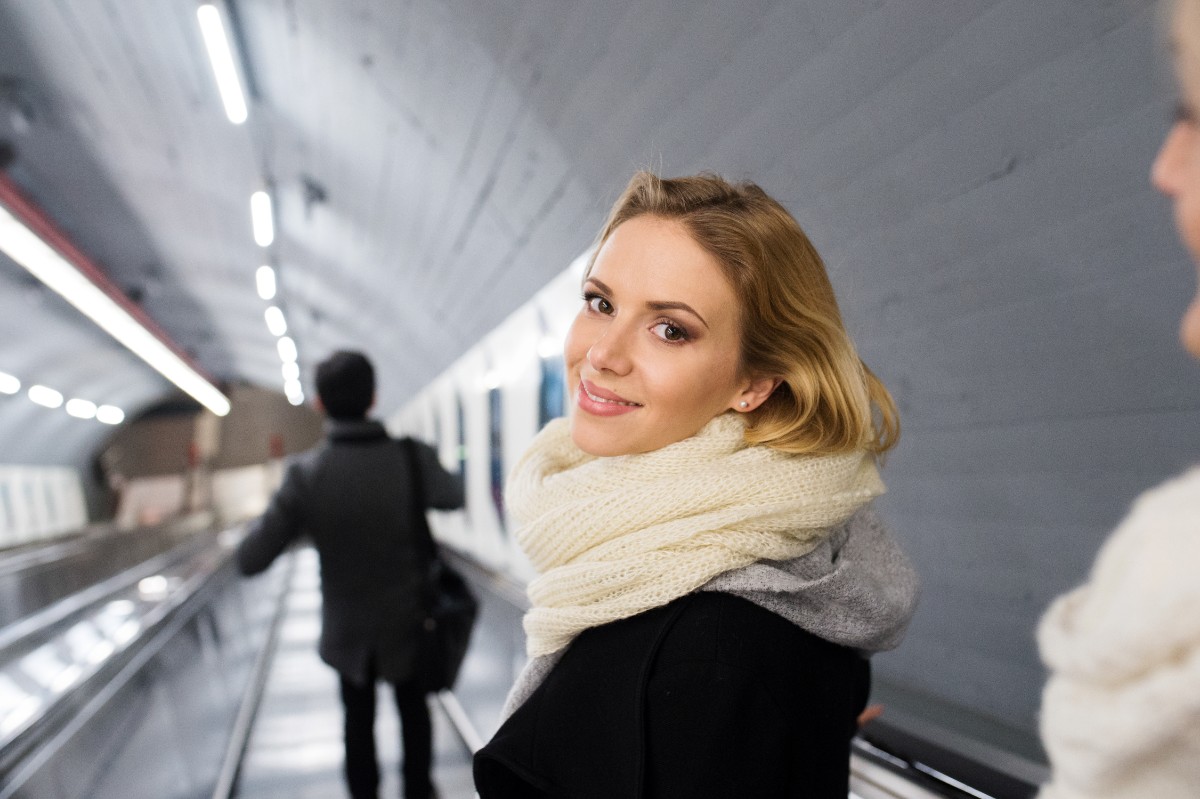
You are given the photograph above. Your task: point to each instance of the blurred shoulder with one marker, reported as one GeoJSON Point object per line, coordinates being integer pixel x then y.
{"type": "Point", "coordinates": [1177, 498]}
{"type": "Point", "coordinates": [1121, 709]}
{"type": "Point", "coordinates": [1139, 605]}
{"type": "Point", "coordinates": [1161, 531]}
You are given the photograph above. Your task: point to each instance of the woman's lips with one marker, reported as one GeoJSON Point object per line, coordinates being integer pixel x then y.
{"type": "Point", "coordinates": [600, 402]}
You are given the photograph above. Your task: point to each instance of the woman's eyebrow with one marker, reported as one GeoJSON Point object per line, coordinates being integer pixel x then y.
{"type": "Point", "coordinates": [676, 306]}
{"type": "Point", "coordinates": [655, 305]}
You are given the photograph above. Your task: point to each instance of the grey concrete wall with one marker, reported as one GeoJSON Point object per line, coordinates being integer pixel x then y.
{"type": "Point", "coordinates": [159, 443]}
{"type": "Point", "coordinates": [257, 417]}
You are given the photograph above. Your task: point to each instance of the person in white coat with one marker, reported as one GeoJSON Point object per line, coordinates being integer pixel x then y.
{"type": "Point", "coordinates": [1121, 710]}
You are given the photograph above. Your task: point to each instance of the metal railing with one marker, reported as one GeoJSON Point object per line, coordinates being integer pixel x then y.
{"type": "Point", "coordinates": [62, 665]}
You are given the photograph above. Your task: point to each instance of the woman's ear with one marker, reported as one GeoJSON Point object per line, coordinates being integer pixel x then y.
{"type": "Point", "coordinates": [755, 393]}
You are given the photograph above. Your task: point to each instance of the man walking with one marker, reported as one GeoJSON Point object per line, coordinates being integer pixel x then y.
{"type": "Point", "coordinates": [354, 497]}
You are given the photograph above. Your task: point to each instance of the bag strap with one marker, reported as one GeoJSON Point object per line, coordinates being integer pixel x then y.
{"type": "Point", "coordinates": [419, 521]}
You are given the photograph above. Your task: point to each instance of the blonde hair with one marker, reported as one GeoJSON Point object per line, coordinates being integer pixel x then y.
{"type": "Point", "coordinates": [791, 328]}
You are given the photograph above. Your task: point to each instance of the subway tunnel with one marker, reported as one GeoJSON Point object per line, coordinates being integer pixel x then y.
{"type": "Point", "coordinates": [974, 175]}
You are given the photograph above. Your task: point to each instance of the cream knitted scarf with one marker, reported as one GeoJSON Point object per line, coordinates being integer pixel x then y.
{"type": "Point", "coordinates": [612, 537]}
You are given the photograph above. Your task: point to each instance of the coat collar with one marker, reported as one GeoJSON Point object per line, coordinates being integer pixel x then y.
{"type": "Point", "coordinates": [354, 431]}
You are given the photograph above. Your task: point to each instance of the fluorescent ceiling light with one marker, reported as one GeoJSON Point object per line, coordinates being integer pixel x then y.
{"type": "Point", "coordinates": [220, 55]}
{"type": "Point", "coordinates": [81, 408]}
{"type": "Point", "coordinates": [46, 397]}
{"type": "Point", "coordinates": [295, 393]}
{"type": "Point", "coordinates": [275, 321]}
{"type": "Point", "coordinates": [263, 220]}
{"type": "Point", "coordinates": [9, 384]}
{"type": "Point", "coordinates": [44, 262]}
{"type": "Point", "coordinates": [291, 371]}
{"type": "Point", "coordinates": [287, 350]}
{"type": "Point", "coordinates": [265, 278]}
{"type": "Point", "coordinates": [110, 414]}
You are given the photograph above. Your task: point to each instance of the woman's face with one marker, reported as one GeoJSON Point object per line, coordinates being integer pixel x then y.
{"type": "Point", "coordinates": [653, 355]}
{"type": "Point", "coordinates": [1176, 171]}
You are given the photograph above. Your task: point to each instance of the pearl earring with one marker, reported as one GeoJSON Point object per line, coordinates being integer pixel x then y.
{"type": "Point", "coordinates": [743, 404]}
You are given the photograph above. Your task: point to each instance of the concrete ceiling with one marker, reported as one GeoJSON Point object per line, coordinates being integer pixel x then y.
{"type": "Point", "coordinates": [419, 198]}
{"type": "Point", "coordinates": [434, 163]}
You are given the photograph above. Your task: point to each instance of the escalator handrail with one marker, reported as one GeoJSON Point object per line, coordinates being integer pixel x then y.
{"type": "Point", "coordinates": [235, 750]}
{"type": "Point", "coordinates": [42, 735]}
{"type": "Point", "coordinates": [36, 623]}
{"type": "Point", "coordinates": [67, 544]}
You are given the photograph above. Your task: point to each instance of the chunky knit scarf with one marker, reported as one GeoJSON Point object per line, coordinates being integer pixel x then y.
{"type": "Point", "coordinates": [1121, 710]}
{"type": "Point", "coordinates": [612, 537]}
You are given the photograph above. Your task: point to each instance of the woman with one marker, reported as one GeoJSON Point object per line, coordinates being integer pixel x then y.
{"type": "Point", "coordinates": [1121, 710]}
{"type": "Point", "coordinates": [711, 576]}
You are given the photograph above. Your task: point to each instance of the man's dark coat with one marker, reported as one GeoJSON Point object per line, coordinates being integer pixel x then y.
{"type": "Point", "coordinates": [353, 496]}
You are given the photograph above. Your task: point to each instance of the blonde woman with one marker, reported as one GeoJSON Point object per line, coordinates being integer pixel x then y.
{"type": "Point", "coordinates": [711, 576]}
{"type": "Point", "coordinates": [1121, 710]}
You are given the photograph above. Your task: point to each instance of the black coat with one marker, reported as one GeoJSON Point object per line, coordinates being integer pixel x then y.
{"type": "Point", "coordinates": [353, 496]}
{"type": "Point", "coordinates": [708, 696]}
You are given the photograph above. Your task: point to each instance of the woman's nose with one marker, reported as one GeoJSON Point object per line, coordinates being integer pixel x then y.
{"type": "Point", "coordinates": [1166, 172]}
{"type": "Point", "coordinates": [610, 352]}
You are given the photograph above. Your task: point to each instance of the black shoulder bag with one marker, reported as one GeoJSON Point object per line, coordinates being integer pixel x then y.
{"type": "Point", "coordinates": [449, 606]}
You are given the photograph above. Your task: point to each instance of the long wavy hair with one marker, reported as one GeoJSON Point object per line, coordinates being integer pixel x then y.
{"type": "Point", "coordinates": [828, 401]}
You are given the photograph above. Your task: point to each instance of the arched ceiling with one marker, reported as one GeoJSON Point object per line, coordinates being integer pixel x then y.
{"type": "Point", "coordinates": [434, 163]}
{"type": "Point", "coordinates": [401, 228]}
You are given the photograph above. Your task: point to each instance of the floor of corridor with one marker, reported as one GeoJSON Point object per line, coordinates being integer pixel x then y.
{"type": "Point", "coordinates": [295, 747]}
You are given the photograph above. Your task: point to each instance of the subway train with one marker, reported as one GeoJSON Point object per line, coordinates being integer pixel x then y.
{"type": "Point", "coordinates": [421, 181]}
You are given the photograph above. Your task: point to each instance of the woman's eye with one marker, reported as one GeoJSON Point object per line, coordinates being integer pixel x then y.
{"type": "Point", "coordinates": [1183, 113]}
{"type": "Point", "coordinates": [598, 304]}
{"type": "Point", "coordinates": [670, 332]}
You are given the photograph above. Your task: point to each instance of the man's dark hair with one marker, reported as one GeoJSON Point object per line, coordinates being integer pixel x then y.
{"type": "Point", "coordinates": [346, 385]}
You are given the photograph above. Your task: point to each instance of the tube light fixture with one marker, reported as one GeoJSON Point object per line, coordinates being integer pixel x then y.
{"type": "Point", "coordinates": [44, 262]}
{"type": "Point", "coordinates": [295, 394]}
{"type": "Point", "coordinates": [287, 349]}
{"type": "Point", "coordinates": [275, 321]}
{"type": "Point", "coordinates": [9, 384]}
{"type": "Point", "coordinates": [265, 279]}
{"type": "Point", "coordinates": [110, 414]}
{"type": "Point", "coordinates": [262, 218]}
{"type": "Point", "coordinates": [45, 396]}
{"type": "Point", "coordinates": [220, 55]}
{"type": "Point", "coordinates": [291, 371]}
{"type": "Point", "coordinates": [81, 408]}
